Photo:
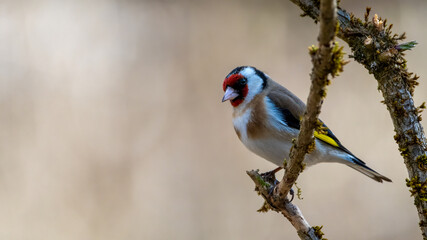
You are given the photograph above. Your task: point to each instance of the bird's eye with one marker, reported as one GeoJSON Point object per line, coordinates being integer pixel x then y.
{"type": "Point", "coordinates": [243, 81]}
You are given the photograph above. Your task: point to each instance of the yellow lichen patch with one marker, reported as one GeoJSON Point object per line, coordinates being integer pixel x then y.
{"type": "Point", "coordinates": [312, 50]}
{"type": "Point", "coordinates": [417, 188]}
{"type": "Point", "coordinates": [265, 207]}
{"type": "Point", "coordinates": [318, 232]}
{"type": "Point", "coordinates": [299, 192]}
{"type": "Point", "coordinates": [422, 162]}
{"type": "Point", "coordinates": [337, 62]}
{"type": "Point", "coordinates": [311, 147]}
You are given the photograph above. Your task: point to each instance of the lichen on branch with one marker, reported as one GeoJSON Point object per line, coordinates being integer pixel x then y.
{"type": "Point", "coordinates": [379, 50]}
{"type": "Point", "coordinates": [327, 59]}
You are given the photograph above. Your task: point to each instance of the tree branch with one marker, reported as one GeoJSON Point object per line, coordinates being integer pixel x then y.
{"type": "Point", "coordinates": [374, 46]}
{"type": "Point", "coordinates": [323, 65]}
{"type": "Point", "coordinates": [321, 58]}
{"type": "Point", "coordinates": [264, 186]}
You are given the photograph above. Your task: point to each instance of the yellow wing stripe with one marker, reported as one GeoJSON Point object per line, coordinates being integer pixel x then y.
{"type": "Point", "coordinates": [326, 139]}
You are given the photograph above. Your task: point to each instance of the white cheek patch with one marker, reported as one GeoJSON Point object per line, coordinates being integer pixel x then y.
{"type": "Point", "coordinates": [255, 83]}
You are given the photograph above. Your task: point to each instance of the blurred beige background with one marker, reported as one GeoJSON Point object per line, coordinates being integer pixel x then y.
{"type": "Point", "coordinates": [112, 126]}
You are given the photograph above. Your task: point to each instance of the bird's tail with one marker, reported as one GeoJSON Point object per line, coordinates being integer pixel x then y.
{"type": "Point", "coordinates": [360, 166]}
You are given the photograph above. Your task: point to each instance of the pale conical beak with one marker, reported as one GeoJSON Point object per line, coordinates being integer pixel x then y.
{"type": "Point", "coordinates": [230, 94]}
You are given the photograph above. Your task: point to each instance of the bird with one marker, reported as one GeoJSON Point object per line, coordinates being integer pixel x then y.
{"type": "Point", "coordinates": [266, 118]}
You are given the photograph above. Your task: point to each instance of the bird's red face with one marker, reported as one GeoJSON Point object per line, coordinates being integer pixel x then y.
{"type": "Point", "coordinates": [236, 88]}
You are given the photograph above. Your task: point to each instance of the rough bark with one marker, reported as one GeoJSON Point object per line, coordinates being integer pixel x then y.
{"type": "Point", "coordinates": [374, 46]}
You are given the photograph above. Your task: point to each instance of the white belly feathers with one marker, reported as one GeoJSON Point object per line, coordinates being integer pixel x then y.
{"type": "Point", "coordinates": [272, 149]}
{"type": "Point", "coordinates": [240, 123]}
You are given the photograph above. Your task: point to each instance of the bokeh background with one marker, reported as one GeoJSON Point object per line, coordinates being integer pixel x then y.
{"type": "Point", "coordinates": [112, 126]}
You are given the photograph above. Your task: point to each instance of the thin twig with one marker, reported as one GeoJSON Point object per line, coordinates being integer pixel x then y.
{"type": "Point", "coordinates": [322, 62]}
{"type": "Point", "coordinates": [319, 76]}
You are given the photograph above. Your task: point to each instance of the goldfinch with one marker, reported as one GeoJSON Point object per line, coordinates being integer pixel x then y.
{"type": "Point", "coordinates": [266, 117]}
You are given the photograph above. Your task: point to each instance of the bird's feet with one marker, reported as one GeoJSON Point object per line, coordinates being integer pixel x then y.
{"type": "Point", "coordinates": [270, 177]}
{"type": "Point", "coordinates": [292, 193]}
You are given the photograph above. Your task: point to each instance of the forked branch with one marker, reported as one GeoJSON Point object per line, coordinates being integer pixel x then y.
{"type": "Point", "coordinates": [375, 47]}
